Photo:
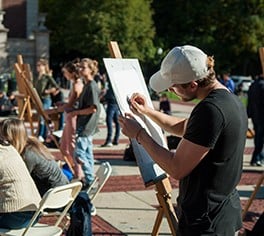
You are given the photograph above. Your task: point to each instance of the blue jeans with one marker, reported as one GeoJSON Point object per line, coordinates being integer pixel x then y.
{"type": "Point", "coordinates": [42, 126]}
{"type": "Point", "coordinates": [61, 121]}
{"type": "Point", "coordinates": [15, 220]}
{"type": "Point", "coordinates": [84, 155]}
{"type": "Point", "coordinates": [112, 113]}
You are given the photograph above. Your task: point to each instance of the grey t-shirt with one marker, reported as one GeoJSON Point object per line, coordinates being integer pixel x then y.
{"type": "Point", "coordinates": [87, 124]}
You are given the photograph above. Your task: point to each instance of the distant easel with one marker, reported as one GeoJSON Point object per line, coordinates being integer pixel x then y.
{"type": "Point", "coordinates": [29, 94]}
{"type": "Point", "coordinates": [253, 195]}
{"type": "Point", "coordinates": [261, 178]}
{"type": "Point", "coordinates": [23, 99]}
{"type": "Point", "coordinates": [163, 186]}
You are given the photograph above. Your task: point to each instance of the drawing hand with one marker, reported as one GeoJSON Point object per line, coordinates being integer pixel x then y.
{"type": "Point", "coordinates": [138, 104]}
{"type": "Point", "coordinates": [129, 125]}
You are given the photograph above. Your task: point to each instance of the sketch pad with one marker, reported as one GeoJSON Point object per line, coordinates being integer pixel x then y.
{"type": "Point", "coordinates": [126, 78]}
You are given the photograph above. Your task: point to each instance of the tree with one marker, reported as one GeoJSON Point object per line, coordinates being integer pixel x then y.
{"type": "Point", "coordinates": [231, 30]}
{"type": "Point", "coordinates": [84, 28]}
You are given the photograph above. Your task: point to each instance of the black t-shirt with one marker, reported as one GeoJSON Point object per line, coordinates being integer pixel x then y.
{"type": "Point", "coordinates": [220, 123]}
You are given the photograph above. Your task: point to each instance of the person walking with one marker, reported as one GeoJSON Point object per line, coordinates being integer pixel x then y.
{"type": "Point", "coordinates": [208, 160]}
{"type": "Point", "coordinates": [255, 110]}
{"type": "Point", "coordinates": [112, 113]}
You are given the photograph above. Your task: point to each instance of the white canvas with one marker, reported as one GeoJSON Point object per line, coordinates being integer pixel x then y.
{"type": "Point", "coordinates": [126, 78]}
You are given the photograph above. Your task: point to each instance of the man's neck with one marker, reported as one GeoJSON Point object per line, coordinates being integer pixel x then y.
{"type": "Point", "coordinates": [203, 92]}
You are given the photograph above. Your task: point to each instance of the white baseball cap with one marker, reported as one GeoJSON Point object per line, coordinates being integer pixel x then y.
{"type": "Point", "coordinates": [181, 65]}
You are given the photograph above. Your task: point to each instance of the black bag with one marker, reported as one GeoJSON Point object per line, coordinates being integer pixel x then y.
{"type": "Point", "coordinates": [129, 154]}
{"type": "Point", "coordinates": [80, 213]}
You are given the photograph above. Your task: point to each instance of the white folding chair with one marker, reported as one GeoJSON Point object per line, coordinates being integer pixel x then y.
{"type": "Point", "coordinates": [62, 196]}
{"type": "Point", "coordinates": [101, 176]}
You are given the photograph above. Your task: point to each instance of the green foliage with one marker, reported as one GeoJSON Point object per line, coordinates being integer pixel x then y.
{"type": "Point", "coordinates": [84, 28]}
{"type": "Point", "coordinates": [231, 30]}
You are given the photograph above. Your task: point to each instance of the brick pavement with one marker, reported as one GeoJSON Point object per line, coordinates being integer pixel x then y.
{"type": "Point", "coordinates": [119, 183]}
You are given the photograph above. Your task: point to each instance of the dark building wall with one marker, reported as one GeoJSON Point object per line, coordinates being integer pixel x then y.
{"type": "Point", "coordinates": [15, 17]}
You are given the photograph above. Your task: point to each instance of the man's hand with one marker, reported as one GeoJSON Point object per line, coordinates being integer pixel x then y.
{"type": "Point", "coordinates": [129, 125]}
{"type": "Point", "coordinates": [138, 104]}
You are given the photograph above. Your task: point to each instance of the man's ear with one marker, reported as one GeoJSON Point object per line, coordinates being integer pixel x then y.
{"type": "Point", "coordinates": [193, 84]}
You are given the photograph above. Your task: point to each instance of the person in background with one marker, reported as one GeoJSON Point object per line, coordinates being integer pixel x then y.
{"type": "Point", "coordinates": [228, 82]}
{"type": "Point", "coordinates": [45, 85]}
{"type": "Point", "coordinates": [19, 195]}
{"type": "Point", "coordinates": [255, 110]}
{"type": "Point", "coordinates": [6, 106]}
{"type": "Point", "coordinates": [87, 112]}
{"type": "Point", "coordinates": [67, 143]}
{"type": "Point", "coordinates": [212, 144]}
{"type": "Point", "coordinates": [40, 163]}
{"type": "Point", "coordinates": [112, 113]}
{"type": "Point", "coordinates": [57, 99]}
{"type": "Point", "coordinates": [12, 98]}
{"type": "Point", "coordinates": [100, 80]}
{"type": "Point", "coordinates": [164, 105]}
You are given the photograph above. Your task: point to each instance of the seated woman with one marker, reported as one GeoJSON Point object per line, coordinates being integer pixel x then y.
{"type": "Point", "coordinates": [40, 163]}
{"type": "Point", "coordinates": [19, 197]}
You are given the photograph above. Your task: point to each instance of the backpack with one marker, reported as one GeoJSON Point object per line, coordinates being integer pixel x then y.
{"type": "Point", "coordinates": [80, 213]}
{"type": "Point", "coordinates": [129, 154]}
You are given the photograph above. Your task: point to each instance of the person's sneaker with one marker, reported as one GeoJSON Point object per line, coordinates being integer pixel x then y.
{"type": "Point", "coordinates": [257, 163]}
{"type": "Point", "coordinates": [115, 143]}
{"type": "Point", "coordinates": [107, 145]}
{"type": "Point", "coordinates": [93, 211]}
{"type": "Point", "coordinates": [41, 139]}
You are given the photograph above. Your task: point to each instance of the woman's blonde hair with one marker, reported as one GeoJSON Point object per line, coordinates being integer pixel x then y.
{"type": "Point", "coordinates": [45, 63]}
{"type": "Point", "coordinates": [14, 131]}
{"type": "Point", "coordinates": [92, 64]}
{"type": "Point", "coordinates": [35, 145]}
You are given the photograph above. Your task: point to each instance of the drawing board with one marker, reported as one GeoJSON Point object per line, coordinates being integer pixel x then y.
{"type": "Point", "coordinates": [126, 78]}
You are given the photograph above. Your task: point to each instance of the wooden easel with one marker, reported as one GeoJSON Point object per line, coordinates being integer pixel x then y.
{"type": "Point", "coordinates": [261, 178]}
{"type": "Point", "coordinates": [253, 195]}
{"type": "Point", "coordinates": [29, 94]}
{"type": "Point", "coordinates": [163, 187]}
{"type": "Point", "coordinates": [23, 99]}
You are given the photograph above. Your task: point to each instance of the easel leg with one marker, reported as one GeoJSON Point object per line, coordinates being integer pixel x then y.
{"type": "Point", "coordinates": [64, 157]}
{"type": "Point", "coordinates": [253, 195]}
{"type": "Point", "coordinates": [157, 224]}
{"type": "Point", "coordinates": [163, 194]}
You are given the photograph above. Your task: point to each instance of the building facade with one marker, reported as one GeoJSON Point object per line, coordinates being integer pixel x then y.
{"type": "Point", "coordinates": [22, 31]}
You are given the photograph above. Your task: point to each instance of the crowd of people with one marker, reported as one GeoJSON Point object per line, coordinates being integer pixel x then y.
{"type": "Point", "coordinates": [211, 147]}
{"type": "Point", "coordinates": [32, 169]}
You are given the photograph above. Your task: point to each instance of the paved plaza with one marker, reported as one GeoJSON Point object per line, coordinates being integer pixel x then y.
{"type": "Point", "coordinates": [126, 207]}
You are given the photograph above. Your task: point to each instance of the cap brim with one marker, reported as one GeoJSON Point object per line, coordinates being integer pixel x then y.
{"type": "Point", "coordinates": [158, 83]}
